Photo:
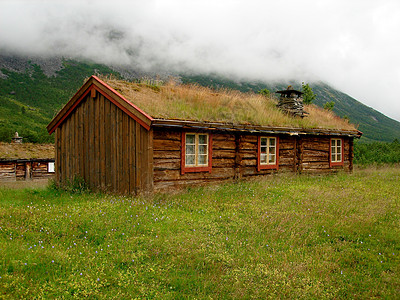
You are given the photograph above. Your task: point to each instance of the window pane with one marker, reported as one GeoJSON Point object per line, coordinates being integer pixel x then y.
{"type": "Point", "coordinates": [203, 149]}
{"type": "Point", "coordinates": [203, 139]}
{"type": "Point", "coordinates": [263, 142]}
{"type": "Point", "coordinates": [50, 167]}
{"type": "Point", "coordinates": [272, 141]}
{"type": "Point", "coordinates": [190, 149]}
{"type": "Point", "coordinates": [190, 159]}
{"type": "Point", "coordinates": [271, 150]}
{"type": "Point", "coordinates": [333, 156]}
{"type": "Point", "coordinates": [190, 138]}
{"type": "Point", "coordinates": [202, 159]}
{"type": "Point", "coordinates": [271, 159]}
{"type": "Point", "coordinates": [333, 143]}
{"type": "Point", "coordinates": [339, 157]}
{"type": "Point", "coordinates": [263, 158]}
{"type": "Point", "coordinates": [263, 150]}
{"type": "Point", "coordinates": [338, 143]}
{"type": "Point", "coordinates": [333, 150]}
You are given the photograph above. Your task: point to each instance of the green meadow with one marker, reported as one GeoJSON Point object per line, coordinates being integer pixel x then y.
{"type": "Point", "coordinates": [285, 236]}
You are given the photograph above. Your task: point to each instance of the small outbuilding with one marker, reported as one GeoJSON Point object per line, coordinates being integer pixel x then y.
{"type": "Point", "coordinates": [130, 137]}
{"type": "Point", "coordinates": [26, 161]}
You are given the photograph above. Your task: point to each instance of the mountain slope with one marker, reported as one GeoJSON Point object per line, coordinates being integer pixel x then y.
{"type": "Point", "coordinates": [376, 127]}
{"type": "Point", "coordinates": [29, 99]}
{"type": "Point", "coordinates": [33, 90]}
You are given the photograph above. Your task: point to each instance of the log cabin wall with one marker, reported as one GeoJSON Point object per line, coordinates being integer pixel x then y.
{"type": "Point", "coordinates": [104, 146]}
{"type": "Point", "coordinates": [167, 160]}
{"type": "Point", "coordinates": [234, 156]}
{"type": "Point", "coordinates": [7, 171]}
{"type": "Point", "coordinates": [25, 169]}
{"type": "Point", "coordinates": [39, 170]}
{"type": "Point", "coordinates": [249, 149]}
{"type": "Point", "coordinates": [314, 155]}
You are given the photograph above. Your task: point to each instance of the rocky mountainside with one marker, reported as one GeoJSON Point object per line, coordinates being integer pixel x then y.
{"type": "Point", "coordinates": [33, 89]}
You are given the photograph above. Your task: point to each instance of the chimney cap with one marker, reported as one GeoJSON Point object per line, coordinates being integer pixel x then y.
{"type": "Point", "coordinates": [290, 91]}
{"type": "Point", "coordinates": [17, 138]}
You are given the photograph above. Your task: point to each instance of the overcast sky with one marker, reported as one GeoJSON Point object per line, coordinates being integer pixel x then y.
{"type": "Point", "coordinates": [352, 45]}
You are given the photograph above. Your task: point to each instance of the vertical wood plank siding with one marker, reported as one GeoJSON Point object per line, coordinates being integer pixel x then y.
{"type": "Point", "coordinates": [104, 146]}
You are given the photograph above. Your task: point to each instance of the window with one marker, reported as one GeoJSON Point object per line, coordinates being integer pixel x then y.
{"type": "Point", "coordinates": [268, 153]}
{"type": "Point", "coordinates": [50, 167]}
{"type": "Point", "coordinates": [336, 152]}
{"type": "Point", "coordinates": [196, 152]}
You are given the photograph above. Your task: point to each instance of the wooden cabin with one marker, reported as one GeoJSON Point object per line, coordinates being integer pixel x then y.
{"type": "Point", "coordinates": [129, 138]}
{"type": "Point", "coordinates": [26, 161]}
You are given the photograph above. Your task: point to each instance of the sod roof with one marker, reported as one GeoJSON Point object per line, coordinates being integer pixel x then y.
{"type": "Point", "coordinates": [172, 101]}
{"type": "Point", "coordinates": [11, 151]}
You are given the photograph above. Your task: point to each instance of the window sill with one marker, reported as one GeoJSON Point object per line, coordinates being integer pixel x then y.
{"type": "Point", "coordinates": [267, 167]}
{"type": "Point", "coordinates": [195, 169]}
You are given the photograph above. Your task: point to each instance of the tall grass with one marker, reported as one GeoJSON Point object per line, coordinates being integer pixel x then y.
{"type": "Point", "coordinates": [279, 237]}
{"type": "Point", "coordinates": [194, 102]}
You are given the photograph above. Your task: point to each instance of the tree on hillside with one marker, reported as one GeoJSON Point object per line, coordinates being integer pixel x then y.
{"type": "Point", "coordinates": [308, 96]}
{"type": "Point", "coordinates": [329, 105]}
{"type": "Point", "coordinates": [264, 92]}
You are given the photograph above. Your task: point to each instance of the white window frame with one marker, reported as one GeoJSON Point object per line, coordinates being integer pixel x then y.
{"type": "Point", "coordinates": [197, 147]}
{"type": "Point", "coordinates": [336, 153]}
{"type": "Point", "coordinates": [51, 167]}
{"type": "Point", "coordinates": [267, 153]}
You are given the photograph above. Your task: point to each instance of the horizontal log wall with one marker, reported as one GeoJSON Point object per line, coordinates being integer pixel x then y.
{"type": "Point", "coordinates": [39, 170]}
{"type": "Point", "coordinates": [234, 156]}
{"type": "Point", "coordinates": [24, 170]}
{"type": "Point", "coordinates": [104, 146]}
{"type": "Point", "coordinates": [248, 149]}
{"type": "Point", "coordinates": [315, 155]}
{"type": "Point", "coordinates": [7, 171]}
{"type": "Point", "coordinates": [167, 160]}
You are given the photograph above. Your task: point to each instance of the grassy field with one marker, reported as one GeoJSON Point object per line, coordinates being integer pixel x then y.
{"type": "Point", "coordinates": [281, 237]}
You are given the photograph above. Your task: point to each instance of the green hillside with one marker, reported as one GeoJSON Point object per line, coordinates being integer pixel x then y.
{"type": "Point", "coordinates": [30, 99]}
{"type": "Point", "coordinates": [376, 127]}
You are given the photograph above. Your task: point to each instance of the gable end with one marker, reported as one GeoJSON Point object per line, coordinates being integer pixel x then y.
{"type": "Point", "coordinates": [93, 85]}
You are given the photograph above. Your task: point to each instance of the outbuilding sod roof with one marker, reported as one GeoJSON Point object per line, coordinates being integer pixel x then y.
{"type": "Point", "coordinates": [11, 151]}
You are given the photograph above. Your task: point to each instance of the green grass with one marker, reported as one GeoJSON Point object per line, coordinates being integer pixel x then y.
{"type": "Point", "coordinates": [281, 237]}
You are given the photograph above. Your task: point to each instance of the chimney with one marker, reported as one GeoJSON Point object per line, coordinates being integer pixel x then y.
{"type": "Point", "coordinates": [17, 139]}
{"type": "Point", "coordinates": [291, 102]}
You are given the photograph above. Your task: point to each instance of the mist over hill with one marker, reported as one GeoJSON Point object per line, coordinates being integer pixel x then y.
{"type": "Point", "coordinates": [33, 89]}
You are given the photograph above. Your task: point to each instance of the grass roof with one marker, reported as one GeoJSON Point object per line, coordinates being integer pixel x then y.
{"type": "Point", "coordinates": [197, 103]}
{"type": "Point", "coordinates": [26, 151]}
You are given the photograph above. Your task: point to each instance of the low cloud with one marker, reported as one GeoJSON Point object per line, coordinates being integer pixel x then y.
{"type": "Point", "coordinates": [352, 45]}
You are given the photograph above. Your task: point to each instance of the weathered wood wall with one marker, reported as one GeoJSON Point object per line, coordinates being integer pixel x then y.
{"type": "Point", "coordinates": [234, 156]}
{"type": "Point", "coordinates": [24, 170]}
{"type": "Point", "coordinates": [104, 146]}
{"type": "Point", "coordinates": [7, 171]}
{"type": "Point", "coordinates": [167, 160]}
{"type": "Point", "coordinates": [314, 155]}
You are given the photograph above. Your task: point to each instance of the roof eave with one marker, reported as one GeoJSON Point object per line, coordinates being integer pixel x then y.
{"type": "Point", "coordinates": [186, 124]}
